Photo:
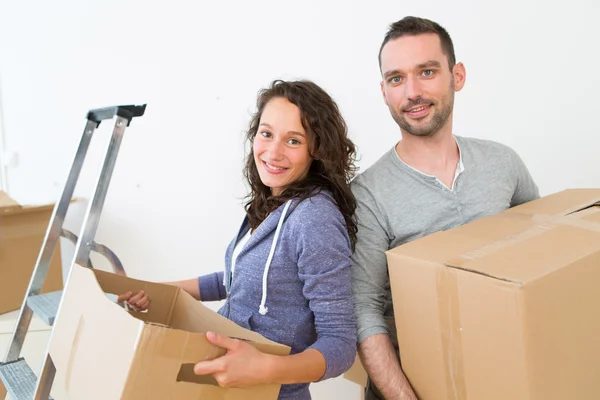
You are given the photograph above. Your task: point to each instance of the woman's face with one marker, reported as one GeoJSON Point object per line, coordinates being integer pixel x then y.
{"type": "Point", "coordinates": [281, 146]}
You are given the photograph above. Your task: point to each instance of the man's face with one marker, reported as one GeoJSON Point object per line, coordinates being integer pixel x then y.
{"type": "Point", "coordinates": [418, 85]}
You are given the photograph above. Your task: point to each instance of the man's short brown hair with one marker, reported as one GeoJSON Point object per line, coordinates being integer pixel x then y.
{"type": "Point", "coordinates": [412, 26]}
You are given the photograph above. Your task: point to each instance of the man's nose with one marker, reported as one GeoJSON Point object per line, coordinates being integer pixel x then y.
{"type": "Point", "coordinates": [413, 88]}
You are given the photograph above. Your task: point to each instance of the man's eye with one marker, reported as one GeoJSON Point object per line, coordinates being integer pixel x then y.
{"type": "Point", "coordinates": [428, 72]}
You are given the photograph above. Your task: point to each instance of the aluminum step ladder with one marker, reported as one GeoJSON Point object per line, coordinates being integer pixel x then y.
{"type": "Point", "coordinates": [45, 305]}
{"type": "Point", "coordinates": [16, 375]}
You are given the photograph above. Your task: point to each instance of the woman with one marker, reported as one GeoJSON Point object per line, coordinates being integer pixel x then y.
{"type": "Point", "coordinates": [287, 271]}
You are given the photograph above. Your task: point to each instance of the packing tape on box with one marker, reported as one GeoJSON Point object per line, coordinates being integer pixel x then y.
{"type": "Point", "coordinates": [544, 224]}
{"type": "Point", "coordinates": [507, 241]}
{"type": "Point", "coordinates": [449, 313]}
{"type": "Point", "coordinates": [569, 221]}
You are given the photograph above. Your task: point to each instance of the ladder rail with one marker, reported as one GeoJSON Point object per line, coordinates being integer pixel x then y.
{"type": "Point", "coordinates": [46, 379]}
{"type": "Point", "coordinates": [84, 243]}
{"type": "Point", "coordinates": [92, 215]}
{"type": "Point", "coordinates": [22, 383]}
{"type": "Point", "coordinates": [49, 244]}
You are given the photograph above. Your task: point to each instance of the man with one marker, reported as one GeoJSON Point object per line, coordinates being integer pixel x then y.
{"type": "Point", "coordinates": [431, 180]}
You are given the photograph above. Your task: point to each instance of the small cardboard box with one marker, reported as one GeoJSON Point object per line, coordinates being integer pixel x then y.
{"type": "Point", "coordinates": [357, 373]}
{"type": "Point", "coordinates": [505, 307]}
{"type": "Point", "coordinates": [22, 231]}
{"type": "Point", "coordinates": [101, 351]}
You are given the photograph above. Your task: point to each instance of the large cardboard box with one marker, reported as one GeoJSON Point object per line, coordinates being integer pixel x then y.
{"type": "Point", "coordinates": [22, 231]}
{"type": "Point", "coordinates": [101, 351]}
{"type": "Point", "coordinates": [505, 307]}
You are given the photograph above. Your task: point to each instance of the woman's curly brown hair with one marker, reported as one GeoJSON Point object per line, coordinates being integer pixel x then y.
{"type": "Point", "coordinates": [333, 154]}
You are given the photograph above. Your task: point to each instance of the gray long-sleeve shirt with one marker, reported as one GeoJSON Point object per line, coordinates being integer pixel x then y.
{"type": "Point", "coordinates": [397, 204]}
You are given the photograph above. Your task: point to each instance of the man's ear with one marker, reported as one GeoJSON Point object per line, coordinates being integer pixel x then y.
{"type": "Point", "coordinates": [460, 76]}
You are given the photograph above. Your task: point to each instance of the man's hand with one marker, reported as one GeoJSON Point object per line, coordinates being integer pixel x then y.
{"type": "Point", "coordinates": [242, 365]}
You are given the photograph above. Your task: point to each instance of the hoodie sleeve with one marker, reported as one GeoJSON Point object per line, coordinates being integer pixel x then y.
{"type": "Point", "coordinates": [324, 262]}
{"type": "Point", "coordinates": [211, 287]}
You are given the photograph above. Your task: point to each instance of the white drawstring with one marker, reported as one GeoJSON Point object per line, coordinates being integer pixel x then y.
{"type": "Point", "coordinates": [262, 309]}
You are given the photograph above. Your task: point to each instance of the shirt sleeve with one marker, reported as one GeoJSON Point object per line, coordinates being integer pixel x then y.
{"type": "Point", "coordinates": [324, 263]}
{"type": "Point", "coordinates": [211, 287]}
{"type": "Point", "coordinates": [370, 280]}
{"type": "Point", "coordinates": [526, 189]}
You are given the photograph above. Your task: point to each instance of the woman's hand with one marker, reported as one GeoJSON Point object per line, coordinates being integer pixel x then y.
{"type": "Point", "coordinates": [138, 301]}
{"type": "Point", "coordinates": [243, 365]}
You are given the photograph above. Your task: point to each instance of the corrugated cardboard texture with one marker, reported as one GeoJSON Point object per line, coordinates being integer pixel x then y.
{"type": "Point", "coordinates": [102, 351]}
{"type": "Point", "coordinates": [22, 231]}
{"type": "Point", "coordinates": [506, 307]}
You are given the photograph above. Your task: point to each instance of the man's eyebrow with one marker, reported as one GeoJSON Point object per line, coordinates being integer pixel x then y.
{"type": "Point", "coordinates": [387, 74]}
{"type": "Point", "coordinates": [426, 64]}
{"type": "Point", "coordinates": [429, 64]}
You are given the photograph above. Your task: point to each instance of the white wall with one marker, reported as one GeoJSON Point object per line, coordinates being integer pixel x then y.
{"type": "Point", "coordinates": [174, 202]}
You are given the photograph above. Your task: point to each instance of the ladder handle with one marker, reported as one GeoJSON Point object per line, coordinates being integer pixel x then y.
{"type": "Point", "coordinates": [111, 256]}
{"type": "Point", "coordinates": [128, 112]}
{"type": "Point", "coordinates": [98, 248]}
{"type": "Point", "coordinates": [73, 238]}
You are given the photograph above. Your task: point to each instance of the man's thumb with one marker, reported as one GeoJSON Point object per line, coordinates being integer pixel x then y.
{"type": "Point", "coordinates": [220, 340]}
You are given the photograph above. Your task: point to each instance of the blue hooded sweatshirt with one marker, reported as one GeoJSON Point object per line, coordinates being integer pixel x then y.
{"type": "Point", "coordinates": [292, 284]}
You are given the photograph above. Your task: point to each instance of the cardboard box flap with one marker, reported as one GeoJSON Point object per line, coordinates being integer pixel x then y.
{"type": "Point", "coordinates": [11, 207]}
{"type": "Point", "coordinates": [86, 318]}
{"type": "Point", "coordinates": [447, 245]}
{"type": "Point", "coordinates": [560, 203]}
{"type": "Point", "coordinates": [191, 315]}
{"type": "Point", "coordinates": [533, 254]}
{"type": "Point", "coordinates": [510, 247]}
{"type": "Point", "coordinates": [7, 203]}
{"type": "Point", "coordinates": [175, 308]}
{"type": "Point", "coordinates": [466, 238]}
{"type": "Point", "coordinates": [497, 227]}
{"type": "Point", "coordinates": [162, 296]}
{"type": "Point", "coordinates": [591, 214]}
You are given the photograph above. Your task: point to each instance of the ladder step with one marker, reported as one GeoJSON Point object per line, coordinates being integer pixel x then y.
{"type": "Point", "coordinates": [19, 380]}
{"type": "Point", "coordinates": [45, 306]}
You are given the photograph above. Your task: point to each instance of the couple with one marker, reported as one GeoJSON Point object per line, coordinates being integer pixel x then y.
{"type": "Point", "coordinates": [307, 267]}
